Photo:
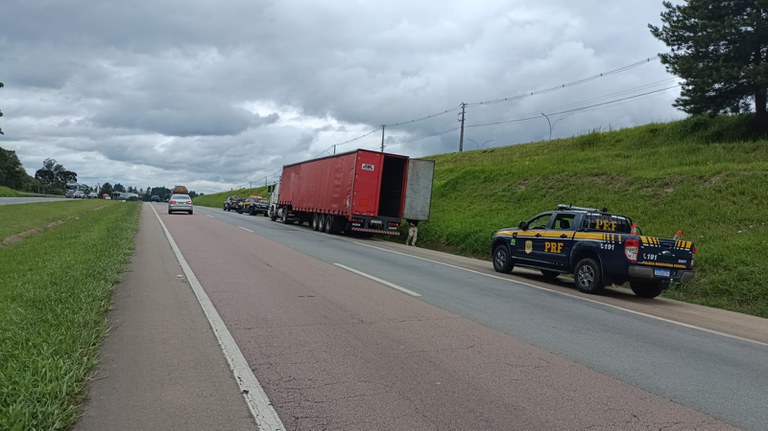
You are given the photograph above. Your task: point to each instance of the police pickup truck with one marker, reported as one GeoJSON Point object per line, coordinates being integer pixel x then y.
{"type": "Point", "coordinates": [598, 248]}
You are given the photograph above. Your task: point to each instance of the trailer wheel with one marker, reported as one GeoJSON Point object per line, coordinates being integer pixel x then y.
{"type": "Point", "coordinates": [321, 223]}
{"type": "Point", "coordinates": [329, 224]}
{"type": "Point", "coordinates": [588, 276]}
{"type": "Point", "coordinates": [315, 222]}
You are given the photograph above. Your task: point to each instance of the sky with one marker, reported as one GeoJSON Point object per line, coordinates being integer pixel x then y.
{"type": "Point", "coordinates": [220, 95]}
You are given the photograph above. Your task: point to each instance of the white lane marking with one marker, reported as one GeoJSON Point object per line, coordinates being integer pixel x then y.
{"type": "Point", "coordinates": [209, 216]}
{"type": "Point", "coordinates": [245, 229]}
{"type": "Point", "coordinates": [255, 397]}
{"type": "Point", "coordinates": [378, 280]}
{"type": "Point", "coordinates": [617, 307]}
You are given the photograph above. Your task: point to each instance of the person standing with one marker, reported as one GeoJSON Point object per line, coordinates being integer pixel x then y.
{"type": "Point", "coordinates": [413, 234]}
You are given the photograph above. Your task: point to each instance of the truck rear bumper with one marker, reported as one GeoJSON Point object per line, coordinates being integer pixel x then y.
{"type": "Point", "coordinates": [647, 273]}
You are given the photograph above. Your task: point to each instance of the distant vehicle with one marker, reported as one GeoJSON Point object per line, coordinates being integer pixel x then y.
{"type": "Point", "coordinates": [180, 202]}
{"type": "Point", "coordinates": [71, 188]}
{"type": "Point", "coordinates": [232, 203]}
{"type": "Point", "coordinates": [180, 190]}
{"type": "Point", "coordinates": [78, 194]}
{"type": "Point", "coordinates": [93, 195]}
{"type": "Point", "coordinates": [105, 196]}
{"type": "Point", "coordinates": [155, 198]}
{"type": "Point", "coordinates": [253, 205]}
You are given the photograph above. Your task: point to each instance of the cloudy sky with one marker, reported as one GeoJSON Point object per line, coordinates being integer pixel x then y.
{"type": "Point", "coordinates": [217, 95]}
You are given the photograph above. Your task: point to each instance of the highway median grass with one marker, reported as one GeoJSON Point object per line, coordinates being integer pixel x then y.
{"type": "Point", "coordinates": [55, 291]}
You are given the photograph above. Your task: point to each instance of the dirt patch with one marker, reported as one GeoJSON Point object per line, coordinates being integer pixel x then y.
{"type": "Point", "coordinates": [17, 238]}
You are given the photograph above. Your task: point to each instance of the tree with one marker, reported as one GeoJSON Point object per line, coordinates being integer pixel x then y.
{"type": "Point", "coordinates": [118, 188]}
{"type": "Point", "coordinates": [106, 188]}
{"type": "Point", "coordinates": [54, 175]}
{"type": "Point", "coordinates": [12, 173]}
{"type": "Point", "coordinates": [720, 49]}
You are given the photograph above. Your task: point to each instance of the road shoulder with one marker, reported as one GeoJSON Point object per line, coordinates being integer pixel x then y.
{"type": "Point", "coordinates": [162, 367]}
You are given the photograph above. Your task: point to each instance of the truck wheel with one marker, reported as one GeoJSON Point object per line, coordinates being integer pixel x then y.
{"type": "Point", "coordinates": [502, 261]}
{"type": "Point", "coordinates": [315, 222]}
{"type": "Point", "coordinates": [550, 274]}
{"type": "Point", "coordinates": [588, 277]}
{"type": "Point", "coordinates": [321, 222]}
{"type": "Point", "coordinates": [648, 288]}
{"type": "Point", "coordinates": [329, 224]}
{"type": "Point", "coordinates": [284, 213]}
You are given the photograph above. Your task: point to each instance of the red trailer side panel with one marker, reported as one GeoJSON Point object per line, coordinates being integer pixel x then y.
{"type": "Point", "coordinates": [322, 185]}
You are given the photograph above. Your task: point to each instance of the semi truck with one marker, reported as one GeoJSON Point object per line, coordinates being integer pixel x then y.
{"type": "Point", "coordinates": [361, 191]}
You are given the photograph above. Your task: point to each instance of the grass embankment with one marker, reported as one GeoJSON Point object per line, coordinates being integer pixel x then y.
{"type": "Point", "coordinates": [706, 177]}
{"type": "Point", "coordinates": [5, 192]}
{"type": "Point", "coordinates": [55, 290]}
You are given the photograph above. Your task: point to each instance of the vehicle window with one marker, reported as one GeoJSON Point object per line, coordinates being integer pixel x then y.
{"type": "Point", "coordinates": [539, 222]}
{"type": "Point", "coordinates": [564, 221]}
{"type": "Point", "coordinates": [180, 197]}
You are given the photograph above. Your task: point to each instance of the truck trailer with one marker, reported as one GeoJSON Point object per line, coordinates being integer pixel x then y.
{"type": "Point", "coordinates": [358, 191]}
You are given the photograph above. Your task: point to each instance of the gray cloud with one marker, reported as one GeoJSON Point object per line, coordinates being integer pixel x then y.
{"type": "Point", "coordinates": [215, 96]}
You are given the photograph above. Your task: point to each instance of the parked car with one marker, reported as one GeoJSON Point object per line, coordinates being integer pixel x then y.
{"type": "Point", "coordinates": [93, 195]}
{"type": "Point", "coordinates": [232, 203]}
{"type": "Point", "coordinates": [155, 198]}
{"type": "Point", "coordinates": [180, 202]}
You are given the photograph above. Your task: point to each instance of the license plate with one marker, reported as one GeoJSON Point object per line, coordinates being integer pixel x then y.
{"type": "Point", "coordinates": [660, 272]}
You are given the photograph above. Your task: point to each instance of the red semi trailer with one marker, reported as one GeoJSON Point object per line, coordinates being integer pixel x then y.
{"type": "Point", "coordinates": [359, 191]}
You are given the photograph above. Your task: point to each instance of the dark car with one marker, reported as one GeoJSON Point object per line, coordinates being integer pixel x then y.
{"type": "Point", "coordinates": [155, 198]}
{"type": "Point", "coordinates": [254, 205]}
{"type": "Point", "coordinates": [232, 203]}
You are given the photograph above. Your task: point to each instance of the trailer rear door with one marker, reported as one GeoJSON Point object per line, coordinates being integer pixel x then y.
{"type": "Point", "coordinates": [418, 189]}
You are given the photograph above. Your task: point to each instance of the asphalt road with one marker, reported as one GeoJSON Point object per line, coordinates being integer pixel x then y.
{"type": "Point", "coordinates": [10, 201]}
{"type": "Point", "coordinates": [225, 321]}
{"type": "Point", "coordinates": [362, 334]}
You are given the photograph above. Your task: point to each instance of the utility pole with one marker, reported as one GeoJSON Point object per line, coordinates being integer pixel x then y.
{"type": "Point", "coordinates": [383, 126]}
{"type": "Point", "coordinates": [461, 120]}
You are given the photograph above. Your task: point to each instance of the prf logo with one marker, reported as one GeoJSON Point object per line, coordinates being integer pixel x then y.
{"type": "Point", "coordinates": [367, 167]}
{"type": "Point", "coordinates": [528, 247]}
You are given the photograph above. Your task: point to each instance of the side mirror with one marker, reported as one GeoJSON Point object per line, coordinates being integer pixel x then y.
{"type": "Point", "coordinates": [523, 225]}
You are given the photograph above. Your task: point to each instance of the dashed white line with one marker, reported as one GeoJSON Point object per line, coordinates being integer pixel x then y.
{"type": "Point", "coordinates": [245, 229]}
{"type": "Point", "coordinates": [638, 313]}
{"type": "Point", "coordinates": [378, 280]}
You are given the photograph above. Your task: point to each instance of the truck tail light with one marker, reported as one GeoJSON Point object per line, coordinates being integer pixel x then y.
{"type": "Point", "coordinates": [631, 248]}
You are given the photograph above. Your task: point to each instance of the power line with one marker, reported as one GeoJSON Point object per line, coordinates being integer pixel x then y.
{"type": "Point", "coordinates": [569, 84]}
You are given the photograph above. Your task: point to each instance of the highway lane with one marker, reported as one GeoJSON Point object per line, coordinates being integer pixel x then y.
{"type": "Point", "coordinates": [721, 376]}
{"type": "Point", "coordinates": [11, 201]}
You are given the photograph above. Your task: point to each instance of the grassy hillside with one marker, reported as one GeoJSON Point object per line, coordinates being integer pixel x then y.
{"type": "Point", "coordinates": [706, 177]}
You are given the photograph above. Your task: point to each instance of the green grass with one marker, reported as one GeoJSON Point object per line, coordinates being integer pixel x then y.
{"type": "Point", "coordinates": [5, 192]}
{"type": "Point", "coordinates": [55, 290]}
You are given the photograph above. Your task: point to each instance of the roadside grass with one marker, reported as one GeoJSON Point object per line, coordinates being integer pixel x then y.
{"type": "Point", "coordinates": [55, 291]}
{"type": "Point", "coordinates": [6, 192]}
{"type": "Point", "coordinates": [43, 215]}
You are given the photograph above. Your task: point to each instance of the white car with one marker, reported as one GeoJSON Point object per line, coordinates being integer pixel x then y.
{"type": "Point", "coordinates": [180, 202]}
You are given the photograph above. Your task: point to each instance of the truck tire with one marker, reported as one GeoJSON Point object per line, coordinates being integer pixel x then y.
{"type": "Point", "coordinates": [502, 259]}
{"type": "Point", "coordinates": [648, 288]}
{"type": "Point", "coordinates": [285, 215]}
{"type": "Point", "coordinates": [329, 224]}
{"type": "Point", "coordinates": [588, 276]}
{"type": "Point", "coordinates": [321, 222]}
{"type": "Point", "coordinates": [315, 222]}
